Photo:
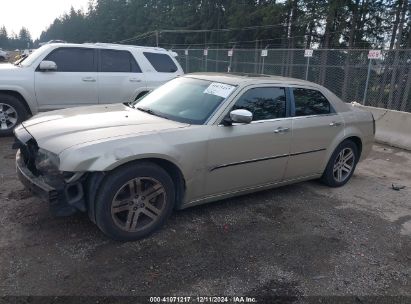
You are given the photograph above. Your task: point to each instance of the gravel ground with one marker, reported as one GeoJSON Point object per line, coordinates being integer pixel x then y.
{"type": "Point", "coordinates": [296, 241]}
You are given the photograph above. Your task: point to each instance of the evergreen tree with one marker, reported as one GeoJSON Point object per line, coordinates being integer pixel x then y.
{"type": "Point", "coordinates": [295, 23]}
{"type": "Point", "coordinates": [4, 39]}
{"type": "Point", "coordinates": [24, 38]}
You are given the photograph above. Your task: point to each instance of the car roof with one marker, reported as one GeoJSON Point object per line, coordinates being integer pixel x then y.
{"type": "Point", "coordinates": [110, 46]}
{"type": "Point", "coordinates": [245, 79]}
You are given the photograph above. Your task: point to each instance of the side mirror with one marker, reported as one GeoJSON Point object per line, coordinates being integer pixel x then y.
{"type": "Point", "coordinates": [48, 66]}
{"type": "Point", "coordinates": [241, 116]}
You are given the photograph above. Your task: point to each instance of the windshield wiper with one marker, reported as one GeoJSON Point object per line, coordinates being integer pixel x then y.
{"type": "Point", "coordinates": [151, 112]}
{"type": "Point", "coordinates": [20, 60]}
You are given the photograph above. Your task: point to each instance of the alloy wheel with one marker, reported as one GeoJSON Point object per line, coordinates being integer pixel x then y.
{"type": "Point", "coordinates": [138, 204]}
{"type": "Point", "coordinates": [344, 164]}
{"type": "Point", "coordinates": [8, 117]}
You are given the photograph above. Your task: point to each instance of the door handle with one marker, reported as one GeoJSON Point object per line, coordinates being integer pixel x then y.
{"type": "Point", "coordinates": [281, 130]}
{"type": "Point", "coordinates": [134, 80]}
{"type": "Point", "coordinates": [335, 124]}
{"type": "Point", "coordinates": [88, 79]}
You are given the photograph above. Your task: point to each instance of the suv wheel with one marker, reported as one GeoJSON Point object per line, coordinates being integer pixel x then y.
{"type": "Point", "coordinates": [12, 113]}
{"type": "Point", "coordinates": [134, 201]}
{"type": "Point", "coordinates": [341, 165]}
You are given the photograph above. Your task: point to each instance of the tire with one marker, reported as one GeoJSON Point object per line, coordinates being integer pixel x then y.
{"type": "Point", "coordinates": [12, 113]}
{"type": "Point", "coordinates": [337, 172]}
{"type": "Point", "coordinates": [124, 210]}
{"type": "Point", "coordinates": [2, 59]}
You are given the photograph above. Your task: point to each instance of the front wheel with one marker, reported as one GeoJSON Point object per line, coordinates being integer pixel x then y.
{"type": "Point", "coordinates": [134, 201]}
{"type": "Point", "coordinates": [12, 113]}
{"type": "Point", "coordinates": [341, 165]}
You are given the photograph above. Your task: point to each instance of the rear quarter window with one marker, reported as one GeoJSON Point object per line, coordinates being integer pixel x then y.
{"type": "Point", "coordinates": [161, 62]}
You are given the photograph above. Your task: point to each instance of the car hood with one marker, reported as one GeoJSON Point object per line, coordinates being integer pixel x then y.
{"type": "Point", "coordinates": [59, 130]}
{"type": "Point", "coordinates": [8, 67]}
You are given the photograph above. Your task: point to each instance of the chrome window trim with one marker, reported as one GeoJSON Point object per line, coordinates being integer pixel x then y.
{"type": "Point", "coordinates": [271, 120]}
{"type": "Point", "coordinates": [315, 115]}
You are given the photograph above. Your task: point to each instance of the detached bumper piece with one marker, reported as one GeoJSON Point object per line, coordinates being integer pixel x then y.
{"type": "Point", "coordinates": [65, 200]}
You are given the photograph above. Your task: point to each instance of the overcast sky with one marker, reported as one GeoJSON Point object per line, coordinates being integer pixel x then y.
{"type": "Point", "coordinates": [35, 15]}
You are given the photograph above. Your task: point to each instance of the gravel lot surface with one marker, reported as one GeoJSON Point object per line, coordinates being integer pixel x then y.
{"type": "Point", "coordinates": [299, 240]}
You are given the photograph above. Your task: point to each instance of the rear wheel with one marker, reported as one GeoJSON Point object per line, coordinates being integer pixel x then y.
{"type": "Point", "coordinates": [341, 165]}
{"type": "Point", "coordinates": [12, 113]}
{"type": "Point", "coordinates": [134, 201]}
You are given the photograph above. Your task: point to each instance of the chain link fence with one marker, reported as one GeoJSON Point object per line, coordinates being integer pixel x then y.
{"type": "Point", "coordinates": [383, 82]}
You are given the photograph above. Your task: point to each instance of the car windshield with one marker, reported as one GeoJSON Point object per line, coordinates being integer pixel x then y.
{"type": "Point", "coordinates": [185, 100]}
{"type": "Point", "coordinates": [27, 61]}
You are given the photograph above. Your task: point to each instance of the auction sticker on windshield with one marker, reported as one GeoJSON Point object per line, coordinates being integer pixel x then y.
{"type": "Point", "coordinates": [219, 89]}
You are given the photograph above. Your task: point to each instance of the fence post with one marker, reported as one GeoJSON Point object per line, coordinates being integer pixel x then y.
{"type": "Point", "coordinates": [216, 59]}
{"type": "Point", "coordinates": [264, 53]}
{"type": "Point", "coordinates": [366, 83]}
{"type": "Point", "coordinates": [262, 66]}
{"type": "Point", "coordinates": [205, 60]}
{"type": "Point", "coordinates": [231, 62]}
{"type": "Point", "coordinates": [186, 53]}
{"type": "Point", "coordinates": [308, 65]}
{"type": "Point", "coordinates": [230, 67]}
{"type": "Point", "coordinates": [256, 57]}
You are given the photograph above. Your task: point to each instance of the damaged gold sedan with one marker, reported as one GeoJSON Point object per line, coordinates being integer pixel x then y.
{"type": "Point", "coordinates": [196, 139]}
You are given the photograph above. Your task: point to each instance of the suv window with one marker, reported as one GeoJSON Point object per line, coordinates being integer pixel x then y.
{"type": "Point", "coordinates": [264, 103]}
{"type": "Point", "coordinates": [118, 61]}
{"type": "Point", "coordinates": [310, 102]}
{"type": "Point", "coordinates": [73, 59]}
{"type": "Point", "coordinates": [161, 62]}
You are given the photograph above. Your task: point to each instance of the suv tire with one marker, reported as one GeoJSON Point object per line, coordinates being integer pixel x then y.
{"type": "Point", "coordinates": [134, 200]}
{"type": "Point", "coordinates": [341, 165]}
{"type": "Point", "coordinates": [12, 113]}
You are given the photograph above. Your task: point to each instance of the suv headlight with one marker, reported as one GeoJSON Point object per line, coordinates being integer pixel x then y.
{"type": "Point", "coordinates": [47, 162]}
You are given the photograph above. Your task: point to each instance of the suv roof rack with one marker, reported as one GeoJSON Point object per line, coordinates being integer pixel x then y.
{"type": "Point", "coordinates": [125, 45]}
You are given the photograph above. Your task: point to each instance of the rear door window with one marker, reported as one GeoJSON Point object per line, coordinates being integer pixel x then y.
{"type": "Point", "coordinates": [73, 59]}
{"type": "Point", "coordinates": [311, 102]}
{"type": "Point", "coordinates": [117, 61]}
{"type": "Point", "coordinates": [161, 62]}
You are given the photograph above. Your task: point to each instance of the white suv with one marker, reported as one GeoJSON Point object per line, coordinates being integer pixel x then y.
{"type": "Point", "coordinates": [62, 75]}
{"type": "Point", "coordinates": [3, 55]}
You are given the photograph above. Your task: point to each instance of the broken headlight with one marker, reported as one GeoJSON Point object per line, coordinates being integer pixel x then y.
{"type": "Point", "coordinates": [47, 163]}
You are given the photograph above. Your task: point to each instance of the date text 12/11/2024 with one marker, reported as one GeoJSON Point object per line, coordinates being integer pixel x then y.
{"type": "Point", "coordinates": [203, 299]}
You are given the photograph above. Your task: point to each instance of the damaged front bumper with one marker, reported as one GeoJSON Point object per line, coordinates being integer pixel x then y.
{"type": "Point", "coordinates": [64, 199]}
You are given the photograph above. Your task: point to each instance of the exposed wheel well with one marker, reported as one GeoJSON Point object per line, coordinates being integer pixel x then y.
{"type": "Point", "coordinates": [176, 176]}
{"type": "Point", "coordinates": [173, 170]}
{"type": "Point", "coordinates": [95, 179]}
{"type": "Point", "coordinates": [19, 96]}
{"type": "Point", "coordinates": [357, 142]}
